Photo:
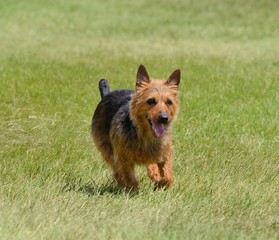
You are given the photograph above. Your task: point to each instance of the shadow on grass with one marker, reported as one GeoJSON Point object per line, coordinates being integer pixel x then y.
{"type": "Point", "coordinates": [91, 189]}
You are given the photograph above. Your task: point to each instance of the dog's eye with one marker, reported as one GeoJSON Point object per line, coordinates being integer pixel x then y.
{"type": "Point", "coordinates": [151, 101]}
{"type": "Point", "coordinates": [168, 102]}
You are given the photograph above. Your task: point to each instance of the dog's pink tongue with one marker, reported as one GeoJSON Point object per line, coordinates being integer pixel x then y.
{"type": "Point", "coordinates": [158, 129]}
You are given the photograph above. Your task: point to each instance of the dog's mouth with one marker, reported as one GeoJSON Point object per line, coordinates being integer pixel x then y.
{"type": "Point", "coordinates": [158, 128]}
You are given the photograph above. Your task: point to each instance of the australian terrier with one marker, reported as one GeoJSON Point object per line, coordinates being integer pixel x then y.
{"type": "Point", "coordinates": [134, 128]}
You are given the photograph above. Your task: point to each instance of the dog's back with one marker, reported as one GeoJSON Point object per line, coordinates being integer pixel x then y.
{"type": "Point", "coordinates": [101, 123]}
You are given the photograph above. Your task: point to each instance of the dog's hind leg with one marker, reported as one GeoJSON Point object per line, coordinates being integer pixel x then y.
{"type": "Point", "coordinates": [106, 151]}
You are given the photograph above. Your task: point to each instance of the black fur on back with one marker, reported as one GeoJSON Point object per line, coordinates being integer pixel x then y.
{"type": "Point", "coordinates": [108, 107]}
{"type": "Point", "coordinates": [114, 111]}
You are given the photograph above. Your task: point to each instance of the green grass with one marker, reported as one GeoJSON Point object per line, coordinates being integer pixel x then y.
{"type": "Point", "coordinates": [54, 184]}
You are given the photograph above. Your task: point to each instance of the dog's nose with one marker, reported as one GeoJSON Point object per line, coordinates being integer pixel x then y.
{"type": "Point", "coordinates": [163, 118]}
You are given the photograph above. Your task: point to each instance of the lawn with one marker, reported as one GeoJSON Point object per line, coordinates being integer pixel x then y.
{"type": "Point", "coordinates": [54, 184]}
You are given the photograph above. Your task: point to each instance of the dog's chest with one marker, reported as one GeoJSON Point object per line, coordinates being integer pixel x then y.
{"type": "Point", "coordinates": [144, 155]}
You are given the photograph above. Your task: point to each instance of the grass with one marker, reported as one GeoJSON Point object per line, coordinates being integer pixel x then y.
{"type": "Point", "coordinates": [54, 184]}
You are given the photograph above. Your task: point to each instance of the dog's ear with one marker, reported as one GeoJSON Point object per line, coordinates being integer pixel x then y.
{"type": "Point", "coordinates": [142, 76]}
{"type": "Point", "coordinates": [174, 78]}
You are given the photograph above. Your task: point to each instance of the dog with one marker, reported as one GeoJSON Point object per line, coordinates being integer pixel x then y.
{"type": "Point", "coordinates": [135, 128]}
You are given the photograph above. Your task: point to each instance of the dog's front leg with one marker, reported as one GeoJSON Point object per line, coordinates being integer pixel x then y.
{"type": "Point", "coordinates": [165, 170]}
{"type": "Point", "coordinates": [124, 174]}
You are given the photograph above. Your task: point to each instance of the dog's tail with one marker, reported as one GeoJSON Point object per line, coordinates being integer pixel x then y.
{"type": "Point", "coordinates": [104, 87]}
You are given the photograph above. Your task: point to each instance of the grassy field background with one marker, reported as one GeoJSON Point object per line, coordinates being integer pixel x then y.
{"type": "Point", "coordinates": [53, 183]}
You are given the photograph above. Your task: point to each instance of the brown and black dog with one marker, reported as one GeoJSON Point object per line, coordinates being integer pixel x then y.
{"type": "Point", "coordinates": [134, 128]}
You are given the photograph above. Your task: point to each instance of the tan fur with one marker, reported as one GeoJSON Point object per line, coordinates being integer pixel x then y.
{"type": "Point", "coordinates": [122, 152]}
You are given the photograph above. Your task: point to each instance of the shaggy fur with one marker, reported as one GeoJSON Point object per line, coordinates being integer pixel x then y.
{"type": "Point", "coordinates": [134, 128]}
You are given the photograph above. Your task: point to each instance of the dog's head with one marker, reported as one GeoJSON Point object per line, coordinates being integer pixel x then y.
{"type": "Point", "coordinates": [155, 103]}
